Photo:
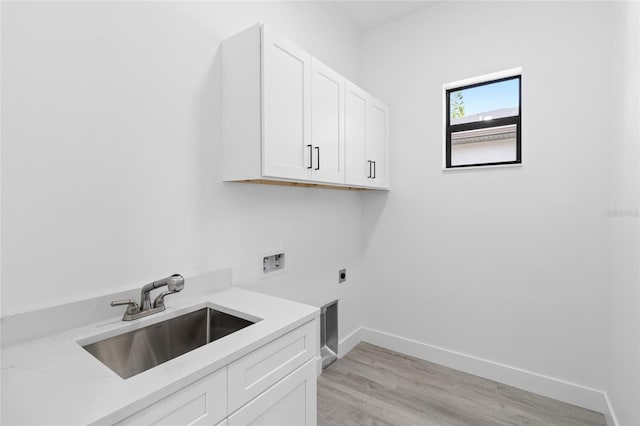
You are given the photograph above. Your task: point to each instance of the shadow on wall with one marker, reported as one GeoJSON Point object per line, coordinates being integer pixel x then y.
{"type": "Point", "coordinates": [373, 204]}
{"type": "Point", "coordinates": [209, 147]}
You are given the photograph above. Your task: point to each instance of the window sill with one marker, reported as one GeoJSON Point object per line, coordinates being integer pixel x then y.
{"type": "Point", "coordinates": [495, 166]}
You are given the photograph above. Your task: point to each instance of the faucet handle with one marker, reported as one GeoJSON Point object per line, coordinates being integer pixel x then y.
{"type": "Point", "coordinates": [158, 302]}
{"type": "Point", "coordinates": [132, 306]}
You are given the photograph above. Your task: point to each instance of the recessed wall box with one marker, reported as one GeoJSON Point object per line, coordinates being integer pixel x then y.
{"type": "Point", "coordinates": [329, 333]}
{"type": "Point", "coordinates": [273, 264]}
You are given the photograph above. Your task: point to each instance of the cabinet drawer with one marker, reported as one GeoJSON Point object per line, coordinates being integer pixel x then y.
{"type": "Point", "coordinates": [290, 402]}
{"type": "Point", "coordinates": [262, 368]}
{"type": "Point", "coordinates": [203, 402]}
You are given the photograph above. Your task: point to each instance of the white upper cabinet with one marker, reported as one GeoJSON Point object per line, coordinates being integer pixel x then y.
{"type": "Point", "coordinates": [286, 117]}
{"type": "Point", "coordinates": [327, 124]}
{"type": "Point", "coordinates": [356, 134]}
{"type": "Point", "coordinates": [367, 136]}
{"type": "Point", "coordinates": [286, 109]}
{"type": "Point", "coordinates": [377, 146]}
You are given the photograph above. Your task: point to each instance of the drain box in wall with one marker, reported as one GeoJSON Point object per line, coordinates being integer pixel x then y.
{"type": "Point", "coordinates": [329, 333]}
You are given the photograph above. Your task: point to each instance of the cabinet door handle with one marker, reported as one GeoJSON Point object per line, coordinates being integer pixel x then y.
{"type": "Point", "coordinates": [374, 169]}
{"type": "Point", "coordinates": [310, 156]}
{"type": "Point", "coordinates": [318, 163]}
{"type": "Point", "coordinates": [370, 175]}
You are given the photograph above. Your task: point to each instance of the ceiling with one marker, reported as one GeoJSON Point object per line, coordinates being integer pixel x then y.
{"type": "Point", "coordinates": [369, 14]}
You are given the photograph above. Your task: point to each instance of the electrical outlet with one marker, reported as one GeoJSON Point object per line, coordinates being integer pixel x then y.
{"type": "Point", "coordinates": [342, 275]}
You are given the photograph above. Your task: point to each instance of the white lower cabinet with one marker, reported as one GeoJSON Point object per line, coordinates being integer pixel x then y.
{"type": "Point", "coordinates": [273, 385]}
{"type": "Point", "coordinates": [292, 401]}
{"type": "Point", "coordinates": [201, 403]}
{"type": "Point", "coordinates": [258, 371]}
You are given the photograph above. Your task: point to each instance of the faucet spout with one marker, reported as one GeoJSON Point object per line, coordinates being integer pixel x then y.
{"type": "Point", "coordinates": [174, 283]}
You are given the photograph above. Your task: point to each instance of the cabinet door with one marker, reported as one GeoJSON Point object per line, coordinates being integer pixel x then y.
{"type": "Point", "coordinates": [377, 142]}
{"type": "Point", "coordinates": [286, 108]}
{"type": "Point", "coordinates": [366, 129]}
{"type": "Point", "coordinates": [327, 124]}
{"type": "Point", "coordinates": [292, 401]}
{"type": "Point", "coordinates": [357, 166]}
{"type": "Point", "coordinates": [259, 370]}
{"type": "Point", "coordinates": [201, 403]}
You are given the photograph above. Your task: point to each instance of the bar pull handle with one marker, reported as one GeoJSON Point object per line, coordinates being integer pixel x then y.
{"type": "Point", "coordinates": [374, 169]}
{"type": "Point", "coordinates": [370, 175]}
{"type": "Point", "coordinates": [310, 156]}
{"type": "Point", "coordinates": [317, 148]}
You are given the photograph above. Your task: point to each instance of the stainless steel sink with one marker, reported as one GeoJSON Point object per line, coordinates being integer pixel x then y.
{"type": "Point", "coordinates": [132, 353]}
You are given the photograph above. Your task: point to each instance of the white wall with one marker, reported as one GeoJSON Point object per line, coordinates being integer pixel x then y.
{"type": "Point", "coordinates": [111, 155]}
{"type": "Point", "coordinates": [623, 385]}
{"type": "Point", "coordinates": [507, 265]}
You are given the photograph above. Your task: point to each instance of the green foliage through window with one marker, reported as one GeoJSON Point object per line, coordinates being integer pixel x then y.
{"type": "Point", "coordinates": [457, 104]}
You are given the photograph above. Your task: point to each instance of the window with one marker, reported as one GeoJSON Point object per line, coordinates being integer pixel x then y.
{"type": "Point", "coordinates": [483, 123]}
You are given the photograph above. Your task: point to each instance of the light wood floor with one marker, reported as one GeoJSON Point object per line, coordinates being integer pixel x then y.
{"type": "Point", "coordinates": [376, 386]}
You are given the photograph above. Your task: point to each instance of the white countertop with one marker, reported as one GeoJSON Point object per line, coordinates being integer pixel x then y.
{"type": "Point", "coordinates": [54, 381]}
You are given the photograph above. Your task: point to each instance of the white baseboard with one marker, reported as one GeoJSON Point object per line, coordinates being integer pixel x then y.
{"type": "Point", "coordinates": [350, 342]}
{"type": "Point", "coordinates": [609, 414]}
{"type": "Point", "coordinates": [551, 387]}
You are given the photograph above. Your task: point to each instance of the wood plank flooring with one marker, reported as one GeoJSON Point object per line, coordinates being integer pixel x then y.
{"type": "Point", "coordinates": [376, 386]}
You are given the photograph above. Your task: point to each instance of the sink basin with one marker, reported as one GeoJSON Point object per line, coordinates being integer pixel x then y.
{"type": "Point", "coordinates": [136, 351]}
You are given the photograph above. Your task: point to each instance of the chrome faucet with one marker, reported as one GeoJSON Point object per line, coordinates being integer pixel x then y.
{"type": "Point", "coordinates": [174, 284]}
